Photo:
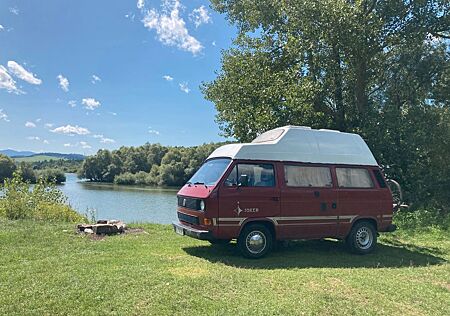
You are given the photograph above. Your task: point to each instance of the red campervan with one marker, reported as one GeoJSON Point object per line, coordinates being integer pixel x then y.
{"type": "Point", "coordinates": [289, 183]}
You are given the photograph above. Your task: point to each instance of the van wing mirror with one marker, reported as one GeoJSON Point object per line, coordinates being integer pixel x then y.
{"type": "Point", "coordinates": [243, 180]}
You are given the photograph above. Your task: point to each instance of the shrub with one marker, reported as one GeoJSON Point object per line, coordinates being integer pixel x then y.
{"type": "Point", "coordinates": [41, 202]}
{"type": "Point", "coordinates": [125, 178]}
{"type": "Point", "coordinates": [422, 218]}
{"type": "Point", "coordinates": [52, 175]}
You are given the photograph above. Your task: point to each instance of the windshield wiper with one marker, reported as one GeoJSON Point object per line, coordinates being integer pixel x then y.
{"type": "Point", "coordinates": [202, 183]}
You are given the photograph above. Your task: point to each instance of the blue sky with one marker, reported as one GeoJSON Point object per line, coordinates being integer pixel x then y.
{"type": "Point", "coordinates": [76, 76]}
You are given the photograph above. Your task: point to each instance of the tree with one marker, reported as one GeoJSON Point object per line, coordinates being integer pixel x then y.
{"type": "Point", "coordinates": [378, 68]}
{"type": "Point", "coordinates": [7, 167]}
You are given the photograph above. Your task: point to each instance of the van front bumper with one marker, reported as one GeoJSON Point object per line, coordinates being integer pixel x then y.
{"type": "Point", "coordinates": [182, 229]}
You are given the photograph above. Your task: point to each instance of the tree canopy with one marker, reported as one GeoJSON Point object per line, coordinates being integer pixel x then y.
{"type": "Point", "coordinates": [150, 164]}
{"type": "Point", "coordinates": [378, 68]}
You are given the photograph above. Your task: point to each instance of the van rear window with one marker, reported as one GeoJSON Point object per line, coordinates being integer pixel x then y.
{"type": "Point", "coordinates": [379, 178]}
{"type": "Point", "coordinates": [301, 176]}
{"type": "Point", "coordinates": [353, 178]}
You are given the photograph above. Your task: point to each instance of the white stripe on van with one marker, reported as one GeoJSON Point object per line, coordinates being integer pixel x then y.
{"type": "Point", "coordinates": [232, 221]}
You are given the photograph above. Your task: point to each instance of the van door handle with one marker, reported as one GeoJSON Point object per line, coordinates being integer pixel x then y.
{"type": "Point", "coordinates": [275, 198]}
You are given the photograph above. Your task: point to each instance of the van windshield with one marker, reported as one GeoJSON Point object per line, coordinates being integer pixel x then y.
{"type": "Point", "coordinates": [210, 172]}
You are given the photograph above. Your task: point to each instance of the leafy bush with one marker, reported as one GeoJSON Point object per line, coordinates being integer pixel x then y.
{"type": "Point", "coordinates": [125, 178]}
{"type": "Point", "coordinates": [41, 202]}
{"type": "Point", "coordinates": [52, 175]}
{"type": "Point", "coordinates": [422, 218]}
{"type": "Point", "coordinates": [7, 167]}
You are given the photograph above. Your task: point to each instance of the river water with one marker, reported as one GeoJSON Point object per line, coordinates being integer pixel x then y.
{"type": "Point", "coordinates": [127, 203]}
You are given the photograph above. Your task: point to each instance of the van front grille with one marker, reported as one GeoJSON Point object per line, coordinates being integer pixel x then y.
{"type": "Point", "coordinates": [188, 218]}
{"type": "Point", "coordinates": [187, 202]}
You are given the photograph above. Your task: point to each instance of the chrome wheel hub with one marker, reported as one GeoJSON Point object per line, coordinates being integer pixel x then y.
{"type": "Point", "coordinates": [255, 242]}
{"type": "Point", "coordinates": [364, 238]}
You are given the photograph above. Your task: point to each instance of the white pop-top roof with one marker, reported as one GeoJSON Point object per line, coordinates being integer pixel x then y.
{"type": "Point", "coordinates": [302, 144]}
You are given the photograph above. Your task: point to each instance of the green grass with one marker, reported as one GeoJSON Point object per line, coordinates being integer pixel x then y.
{"type": "Point", "coordinates": [49, 269]}
{"type": "Point", "coordinates": [37, 158]}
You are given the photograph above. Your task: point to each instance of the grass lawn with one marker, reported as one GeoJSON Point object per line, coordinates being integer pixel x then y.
{"type": "Point", "coordinates": [49, 269]}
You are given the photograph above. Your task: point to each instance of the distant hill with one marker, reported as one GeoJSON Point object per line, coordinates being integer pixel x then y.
{"type": "Point", "coordinates": [32, 156]}
{"type": "Point", "coordinates": [16, 153]}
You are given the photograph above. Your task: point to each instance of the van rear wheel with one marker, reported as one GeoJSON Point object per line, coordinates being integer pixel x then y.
{"type": "Point", "coordinates": [362, 238]}
{"type": "Point", "coordinates": [255, 241]}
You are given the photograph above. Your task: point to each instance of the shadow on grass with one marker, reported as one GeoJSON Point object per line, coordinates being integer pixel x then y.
{"type": "Point", "coordinates": [321, 254]}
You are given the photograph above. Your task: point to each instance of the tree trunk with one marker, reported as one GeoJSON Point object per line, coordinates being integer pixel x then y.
{"type": "Point", "coordinates": [338, 95]}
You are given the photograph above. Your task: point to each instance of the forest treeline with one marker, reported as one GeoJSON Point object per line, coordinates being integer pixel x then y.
{"type": "Point", "coordinates": [150, 164]}
{"type": "Point", "coordinates": [49, 171]}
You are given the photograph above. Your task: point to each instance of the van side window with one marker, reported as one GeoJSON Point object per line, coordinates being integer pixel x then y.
{"type": "Point", "coordinates": [353, 178]}
{"type": "Point", "coordinates": [301, 176]}
{"type": "Point", "coordinates": [379, 178]}
{"type": "Point", "coordinates": [251, 175]}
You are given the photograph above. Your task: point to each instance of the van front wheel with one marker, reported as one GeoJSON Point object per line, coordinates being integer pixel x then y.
{"type": "Point", "coordinates": [255, 241]}
{"type": "Point", "coordinates": [362, 238]}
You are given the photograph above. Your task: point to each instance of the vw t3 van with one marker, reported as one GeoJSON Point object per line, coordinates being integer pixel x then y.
{"type": "Point", "coordinates": [289, 183]}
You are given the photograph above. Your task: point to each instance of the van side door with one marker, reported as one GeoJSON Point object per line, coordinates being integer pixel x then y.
{"type": "Point", "coordinates": [308, 202]}
{"type": "Point", "coordinates": [249, 191]}
{"type": "Point", "coordinates": [358, 196]}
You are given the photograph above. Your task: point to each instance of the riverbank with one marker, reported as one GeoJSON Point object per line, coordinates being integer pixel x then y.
{"type": "Point", "coordinates": [49, 269]}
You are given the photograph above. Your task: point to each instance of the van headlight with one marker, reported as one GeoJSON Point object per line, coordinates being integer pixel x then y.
{"type": "Point", "coordinates": [202, 205]}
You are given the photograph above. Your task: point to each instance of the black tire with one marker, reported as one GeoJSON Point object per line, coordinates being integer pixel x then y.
{"type": "Point", "coordinates": [362, 238]}
{"type": "Point", "coordinates": [255, 241]}
{"type": "Point", "coordinates": [219, 241]}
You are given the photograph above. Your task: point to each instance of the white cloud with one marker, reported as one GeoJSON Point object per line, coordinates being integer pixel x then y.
{"type": "Point", "coordinates": [33, 138]}
{"type": "Point", "coordinates": [63, 82]}
{"type": "Point", "coordinates": [30, 124]}
{"type": "Point", "coordinates": [71, 130]}
{"type": "Point", "coordinates": [85, 145]}
{"type": "Point", "coordinates": [49, 125]}
{"type": "Point", "coordinates": [46, 141]}
{"type": "Point", "coordinates": [167, 78]}
{"type": "Point", "coordinates": [3, 116]}
{"type": "Point", "coordinates": [21, 73]}
{"type": "Point", "coordinates": [14, 10]}
{"type": "Point", "coordinates": [72, 103]}
{"type": "Point", "coordinates": [130, 16]}
{"type": "Point", "coordinates": [113, 113]}
{"type": "Point", "coordinates": [90, 103]}
{"type": "Point", "coordinates": [153, 131]}
{"type": "Point", "coordinates": [105, 140]}
{"type": "Point", "coordinates": [7, 82]}
{"type": "Point", "coordinates": [95, 79]}
{"type": "Point", "coordinates": [68, 145]}
{"type": "Point", "coordinates": [38, 120]}
{"type": "Point", "coordinates": [214, 43]}
{"type": "Point", "coordinates": [1, 27]}
{"type": "Point", "coordinates": [170, 27]}
{"type": "Point", "coordinates": [184, 87]}
{"type": "Point", "coordinates": [200, 16]}
{"type": "Point", "coordinates": [140, 4]}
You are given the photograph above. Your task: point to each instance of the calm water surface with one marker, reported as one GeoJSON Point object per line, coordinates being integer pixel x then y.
{"type": "Point", "coordinates": [127, 203]}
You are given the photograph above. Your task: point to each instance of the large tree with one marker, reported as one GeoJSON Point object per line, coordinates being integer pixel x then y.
{"type": "Point", "coordinates": [379, 68]}
{"type": "Point", "coordinates": [7, 168]}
